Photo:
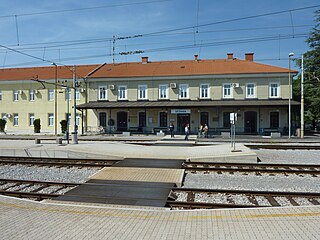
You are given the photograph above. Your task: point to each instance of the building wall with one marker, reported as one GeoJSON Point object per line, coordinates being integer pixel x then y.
{"type": "Point", "coordinates": [41, 106]}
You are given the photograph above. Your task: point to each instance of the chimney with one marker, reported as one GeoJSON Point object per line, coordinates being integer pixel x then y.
{"type": "Point", "coordinates": [196, 57]}
{"type": "Point", "coordinates": [249, 57]}
{"type": "Point", "coordinates": [230, 55]}
{"type": "Point", "coordinates": [144, 60]}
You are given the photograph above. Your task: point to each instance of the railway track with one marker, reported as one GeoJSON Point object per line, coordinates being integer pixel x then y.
{"type": "Point", "coordinates": [36, 190]}
{"type": "Point", "coordinates": [258, 169]}
{"type": "Point", "coordinates": [191, 198]}
{"type": "Point", "coordinates": [57, 162]}
{"type": "Point", "coordinates": [283, 146]}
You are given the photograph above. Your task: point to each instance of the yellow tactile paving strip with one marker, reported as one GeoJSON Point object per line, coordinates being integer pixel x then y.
{"type": "Point", "coordinates": [160, 175]}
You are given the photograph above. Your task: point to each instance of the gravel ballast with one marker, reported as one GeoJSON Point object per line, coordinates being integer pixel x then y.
{"type": "Point", "coordinates": [36, 173]}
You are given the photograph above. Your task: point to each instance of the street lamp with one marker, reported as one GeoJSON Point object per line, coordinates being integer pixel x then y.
{"type": "Point", "coordinates": [290, 93]}
{"type": "Point", "coordinates": [55, 99]}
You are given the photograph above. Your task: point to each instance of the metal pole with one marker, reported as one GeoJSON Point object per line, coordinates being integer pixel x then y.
{"type": "Point", "coordinates": [290, 89]}
{"type": "Point", "coordinates": [74, 136]}
{"type": "Point", "coordinates": [56, 101]}
{"type": "Point", "coordinates": [302, 100]}
{"type": "Point", "coordinates": [68, 122]}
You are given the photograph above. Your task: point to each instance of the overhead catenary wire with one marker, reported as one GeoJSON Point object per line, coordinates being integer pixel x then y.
{"type": "Point", "coordinates": [84, 8]}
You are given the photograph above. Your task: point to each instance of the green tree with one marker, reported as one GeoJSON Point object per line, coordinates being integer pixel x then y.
{"type": "Point", "coordinates": [37, 125]}
{"type": "Point", "coordinates": [2, 125]}
{"type": "Point", "coordinates": [311, 76]}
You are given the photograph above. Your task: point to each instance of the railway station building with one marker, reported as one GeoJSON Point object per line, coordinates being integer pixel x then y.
{"type": "Point", "coordinates": [146, 96]}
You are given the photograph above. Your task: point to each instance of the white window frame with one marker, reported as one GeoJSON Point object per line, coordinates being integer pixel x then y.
{"type": "Point", "coordinates": [227, 92]}
{"type": "Point", "coordinates": [31, 95]}
{"type": "Point", "coordinates": [252, 91]}
{"type": "Point", "coordinates": [15, 95]}
{"type": "Point", "coordinates": [31, 119]}
{"type": "Point", "coordinates": [163, 91]}
{"type": "Point", "coordinates": [68, 94]}
{"type": "Point", "coordinates": [50, 94]}
{"type": "Point", "coordinates": [143, 92]}
{"type": "Point", "coordinates": [78, 118]}
{"type": "Point", "coordinates": [271, 90]}
{"type": "Point", "coordinates": [15, 119]}
{"type": "Point", "coordinates": [50, 119]}
{"type": "Point", "coordinates": [78, 94]}
{"type": "Point", "coordinates": [204, 91]}
{"type": "Point", "coordinates": [102, 93]}
{"type": "Point", "coordinates": [183, 91]}
{"type": "Point", "coordinates": [122, 92]}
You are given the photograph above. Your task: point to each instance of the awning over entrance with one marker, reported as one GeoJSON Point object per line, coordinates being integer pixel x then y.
{"type": "Point", "coordinates": [181, 104]}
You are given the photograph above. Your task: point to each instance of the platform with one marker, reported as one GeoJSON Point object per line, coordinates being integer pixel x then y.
{"type": "Point", "coordinates": [22, 219]}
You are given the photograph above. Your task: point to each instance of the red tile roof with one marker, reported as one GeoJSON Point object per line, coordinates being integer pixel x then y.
{"type": "Point", "coordinates": [43, 73]}
{"type": "Point", "coordinates": [139, 69]}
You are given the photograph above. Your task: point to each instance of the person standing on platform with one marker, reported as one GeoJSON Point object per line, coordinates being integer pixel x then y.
{"type": "Point", "coordinates": [186, 131]}
{"type": "Point", "coordinates": [171, 128]}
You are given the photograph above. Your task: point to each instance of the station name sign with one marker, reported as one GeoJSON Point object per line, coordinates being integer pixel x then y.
{"type": "Point", "coordinates": [180, 111]}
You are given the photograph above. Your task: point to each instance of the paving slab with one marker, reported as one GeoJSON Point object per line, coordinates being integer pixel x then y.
{"type": "Point", "coordinates": [21, 219]}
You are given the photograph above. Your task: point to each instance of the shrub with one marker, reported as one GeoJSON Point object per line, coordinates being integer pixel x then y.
{"type": "Point", "coordinates": [37, 125]}
{"type": "Point", "coordinates": [64, 126]}
{"type": "Point", "coordinates": [2, 125]}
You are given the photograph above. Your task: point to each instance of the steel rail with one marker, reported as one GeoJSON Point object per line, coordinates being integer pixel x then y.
{"type": "Point", "coordinates": [57, 161]}
{"type": "Point", "coordinates": [313, 198]}
{"type": "Point", "coordinates": [283, 147]}
{"type": "Point", "coordinates": [244, 167]}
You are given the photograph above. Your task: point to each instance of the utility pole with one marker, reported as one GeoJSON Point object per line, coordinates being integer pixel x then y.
{"type": "Point", "coordinates": [75, 127]}
{"type": "Point", "coordinates": [113, 48]}
{"type": "Point", "coordinates": [302, 100]}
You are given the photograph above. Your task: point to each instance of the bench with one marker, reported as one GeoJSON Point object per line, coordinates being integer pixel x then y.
{"type": "Point", "coordinates": [159, 129]}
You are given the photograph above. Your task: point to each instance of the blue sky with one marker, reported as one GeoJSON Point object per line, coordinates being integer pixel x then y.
{"type": "Point", "coordinates": [84, 35]}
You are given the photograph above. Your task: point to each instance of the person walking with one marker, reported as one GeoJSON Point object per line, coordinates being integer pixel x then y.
{"type": "Point", "coordinates": [200, 131]}
{"type": "Point", "coordinates": [205, 130]}
{"type": "Point", "coordinates": [171, 128]}
{"type": "Point", "coordinates": [186, 131]}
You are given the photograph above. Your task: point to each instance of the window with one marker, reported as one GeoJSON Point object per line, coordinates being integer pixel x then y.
{"type": "Point", "coordinates": [31, 119]}
{"type": "Point", "coordinates": [50, 119]}
{"type": "Point", "coordinates": [15, 95]}
{"type": "Point", "coordinates": [68, 118]}
{"type": "Point", "coordinates": [142, 92]}
{"type": "Point", "coordinates": [250, 90]}
{"type": "Point", "coordinates": [163, 91]}
{"type": "Point", "coordinates": [78, 94]}
{"type": "Point", "coordinates": [78, 119]}
{"type": "Point", "coordinates": [68, 94]}
{"type": "Point", "coordinates": [31, 95]}
{"type": "Point", "coordinates": [15, 119]}
{"type": "Point", "coordinates": [0, 95]}
{"type": "Point", "coordinates": [163, 119]}
{"type": "Point", "coordinates": [183, 91]}
{"type": "Point", "coordinates": [103, 93]}
{"type": "Point", "coordinates": [227, 93]}
{"type": "Point", "coordinates": [204, 91]}
{"type": "Point", "coordinates": [274, 90]}
{"type": "Point", "coordinates": [50, 94]}
{"type": "Point", "coordinates": [122, 92]}
{"type": "Point", "coordinates": [274, 119]}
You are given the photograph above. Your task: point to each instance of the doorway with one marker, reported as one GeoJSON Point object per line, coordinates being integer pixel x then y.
{"type": "Point", "coordinates": [103, 120]}
{"type": "Point", "coordinates": [183, 119]}
{"type": "Point", "coordinates": [250, 122]}
{"type": "Point", "coordinates": [122, 121]}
